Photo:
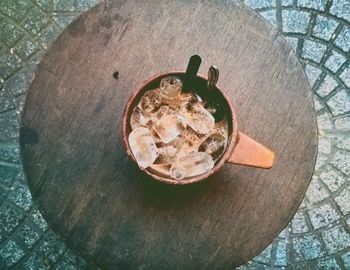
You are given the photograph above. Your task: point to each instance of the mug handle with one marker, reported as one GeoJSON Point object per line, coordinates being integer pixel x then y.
{"type": "Point", "coordinates": [251, 153]}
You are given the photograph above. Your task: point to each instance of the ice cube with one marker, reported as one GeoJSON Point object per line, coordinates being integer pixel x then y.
{"type": "Point", "coordinates": [197, 117]}
{"type": "Point", "coordinates": [170, 87]}
{"type": "Point", "coordinates": [150, 101]}
{"type": "Point", "coordinates": [162, 169]}
{"type": "Point", "coordinates": [166, 154]}
{"type": "Point", "coordinates": [143, 147]}
{"type": "Point", "coordinates": [169, 126]}
{"type": "Point", "coordinates": [193, 164]}
{"type": "Point", "coordinates": [214, 145]}
{"type": "Point", "coordinates": [138, 118]}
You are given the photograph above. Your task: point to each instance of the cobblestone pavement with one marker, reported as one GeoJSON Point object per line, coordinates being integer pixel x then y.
{"type": "Point", "coordinates": [319, 235]}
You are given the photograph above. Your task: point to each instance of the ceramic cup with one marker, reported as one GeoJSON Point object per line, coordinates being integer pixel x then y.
{"type": "Point", "coordinates": [240, 149]}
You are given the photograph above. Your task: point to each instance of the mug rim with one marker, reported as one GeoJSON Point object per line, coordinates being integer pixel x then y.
{"type": "Point", "coordinates": [229, 148]}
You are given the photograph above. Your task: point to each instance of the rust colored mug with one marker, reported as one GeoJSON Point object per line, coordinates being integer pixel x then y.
{"type": "Point", "coordinates": [240, 149]}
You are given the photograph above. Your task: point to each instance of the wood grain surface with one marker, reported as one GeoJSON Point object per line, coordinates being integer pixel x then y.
{"type": "Point", "coordinates": [93, 195]}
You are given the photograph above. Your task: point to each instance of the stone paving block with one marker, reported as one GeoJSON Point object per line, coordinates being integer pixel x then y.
{"type": "Point", "coordinates": [63, 5]}
{"type": "Point", "coordinates": [314, 4]}
{"type": "Point", "coordinates": [344, 142]}
{"type": "Point", "coordinates": [336, 239]}
{"type": "Point", "coordinates": [332, 178]}
{"type": "Point", "coordinates": [329, 263]}
{"type": "Point", "coordinates": [8, 127]}
{"type": "Point", "coordinates": [313, 50]}
{"type": "Point", "coordinates": [323, 215]}
{"type": "Point", "coordinates": [256, 4]}
{"type": "Point", "coordinates": [8, 174]}
{"type": "Point", "coordinates": [335, 61]}
{"type": "Point", "coordinates": [345, 75]}
{"type": "Point", "coordinates": [11, 253]}
{"type": "Point", "coordinates": [313, 73]}
{"type": "Point", "coordinates": [282, 253]}
{"type": "Point", "coordinates": [316, 192]}
{"type": "Point", "coordinates": [68, 262]}
{"type": "Point", "coordinates": [21, 196]}
{"type": "Point", "coordinates": [346, 259]}
{"type": "Point", "coordinates": [339, 103]}
{"type": "Point", "coordinates": [293, 42]}
{"type": "Point", "coordinates": [6, 102]}
{"type": "Point", "coordinates": [328, 85]}
{"type": "Point", "coordinates": [341, 9]}
{"type": "Point", "coordinates": [15, 9]}
{"type": "Point", "coordinates": [85, 4]}
{"type": "Point", "coordinates": [35, 21]}
{"type": "Point", "coordinates": [9, 63]}
{"type": "Point", "coordinates": [342, 41]}
{"type": "Point", "coordinates": [48, 35]}
{"type": "Point", "coordinates": [343, 201]}
{"type": "Point", "coordinates": [9, 218]}
{"type": "Point", "coordinates": [9, 33]}
{"type": "Point", "coordinates": [38, 220]}
{"type": "Point", "coordinates": [318, 105]}
{"type": "Point", "coordinates": [324, 144]}
{"type": "Point", "coordinates": [38, 261]}
{"type": "Point", "coordinates": [324, 27]}
{"type": "Point", "coordinates": [341, 160]}
{"type": "Point", "coordinates": [28, 236]}
{"type": "Point", "coordinates": [299, 224]}
{"type": "Point", "coordinates": [52, 247]}
{"type": "Point", "coordinates": [265, 255]}
{"type": "Point", "coordinates": [342, 123]}
{"type": "Point", "coordinates": [295, 21]}
{"type": "Point", "coordinates": [307, 247]}
{"type": "Point", "coordinates": [63, 20]}
{"type": "Point", "coordinates": [26, 48]}
{"type": "Point", "coordinates": [19, 82]}
{"type": "Point", "coordinates": [20, 101]}
{"type": "Point", "coordinates": [286, 3]}
{"type": "Point", "coordinates": [270, 15]}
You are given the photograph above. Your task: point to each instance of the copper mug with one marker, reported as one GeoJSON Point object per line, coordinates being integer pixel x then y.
{"type": "Point", "coordinates": [240, 149]}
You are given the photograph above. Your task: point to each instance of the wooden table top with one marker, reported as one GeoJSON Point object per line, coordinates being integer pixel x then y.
{"type": "Point", "coordinates": [95, 197]}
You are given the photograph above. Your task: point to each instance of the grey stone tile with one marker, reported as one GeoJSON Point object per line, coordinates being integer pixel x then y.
{"type": "Point", "coordinates": [8, 127]}
{"type": "Point", "coordinates": [339, 103]}
{"type": "Point", "coordinates": [286, 3]}
{"type": "Point", "coordinates": [28, 236]}
{"type": "Point", "coordinates": [26, 48]}
{"type": "Point", "coordinates": [324, 27]}
{"type": "Point", "coordinates": [313, 73]}
{"type": "Point", "coordinates": [336, 239]}
{"type": "Point", "coordinates": [261, 3]}
{"type": "Point", "coordinates": [35, 21]}
{"type": "Point", "coordinates": [281, 253]}
{"type": "Point", "coordinates": [299, 224]}
{"type": "Point", "coordinates": [38, 261]}
{"type": "Point", "coordinates": [9, 33]}
{"type": "Point", "coordinates": [332, 178]}
{"type": "Point", "coordinates": [313, 50]}
{"type": "Point", "coordinates": [320, 162]}
{"type": "Point", "coordinates": [293, 42]}
{"type": "Point", "coordinates": [328, 85]}
{"type": "Point", "coordinates": [8, 174]}
{"type": "Point", "coordinates": [49, 35]}
{"type": "Point", "coordinates": [295, 21]}
{"type": "Point", "coordinates": [314, 4]}
{"type": "Point", "coordinates": [20, 101]}
{"type": "Point", "coordinates": [323, 215]}
{"type": "Point", "coordinates": [270, 15]}
{"type": "Point", "coordinates": [52, 247]}
{"type": "Point", "coordinates": [9, 218]}
{"type": "Point", "coordinates": [21, 196]}
{"type": "Point", "coordinates": [264, 256]}
{"type": "Point", "coordinates": [335, 61]}
{"type": "Point", "coordinates": [341, 9]}
{"type": "Point", "coordinates": [63, 5]}
{"type": "Point", "coordinates": [15, 9]}
{"type": "Point", "coordinates": [342, 123]}
{"type": "Point", "coordinates": [38, 220]}
{"type": "Point", "coordinates": [324, 144]}
{"type": "Point", "coordinates": [329, 263]}
{"type": "Point", "coordinates": [86, 4]}
{"type": "Point", "coordinates": [8, 64]}
{"type": "Point", "coordinates": [19, 82]}
{"type": "Point", "coordinates": [6, 102]}
{"type": "Point", "coordinates": [316, 192]}
{"type": "Point", "coordinates": [345, 75]}
{"type": "Point", "coordinates": [46, 5]}
{"type": "Point", "coordinates": [11, 253]}
{"type": "Point", "coordinates": [307, 247]}
{"type": "Point", "coordinates": [342, 41]}
{"type": "Point", "coordinates": [63, 20]}
{"type": "Point", "coordinates": [68, 262]}
{"type": "Point", "coordinates": [346, 259]}
{"type": "Point", "coordinates": [341, 160]}
{"type": "Point", "coordinates": [343, 201]}
{"type": "Point", "coordinates": [318, 105]}
{"type": "Point", "coordinates": [344, 142]}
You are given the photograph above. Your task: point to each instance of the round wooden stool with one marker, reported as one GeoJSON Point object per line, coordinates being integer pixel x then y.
{"type": "Point", "coordinates": [99, 202]}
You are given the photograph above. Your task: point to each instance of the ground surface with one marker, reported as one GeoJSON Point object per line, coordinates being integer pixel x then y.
{"type": "Point", "coordinates": [319, 235]}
